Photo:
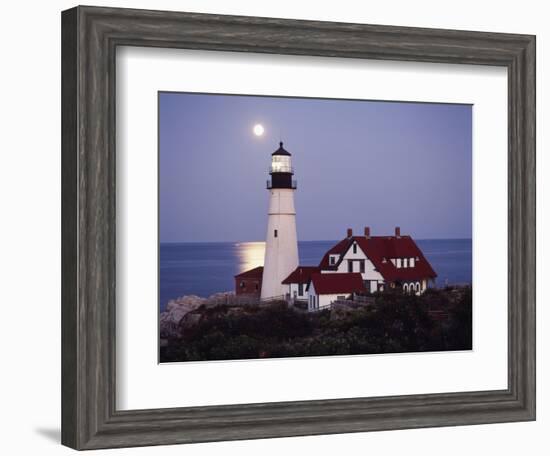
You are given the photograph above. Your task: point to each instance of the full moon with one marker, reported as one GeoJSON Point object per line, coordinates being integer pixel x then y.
{"type": "Point", "coordinates": [258, 129]}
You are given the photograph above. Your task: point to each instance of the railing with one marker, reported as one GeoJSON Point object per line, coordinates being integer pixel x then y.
{"type": "Point", "coordinates": [293, 185]}
{"type": "Point", "coordinates": [274, 298]}
{"type": "Point", "coordinates": [364, 299]}
{"type": "Point", "coordinates": [320, 309]}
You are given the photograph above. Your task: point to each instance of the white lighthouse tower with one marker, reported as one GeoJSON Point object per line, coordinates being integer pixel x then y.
{"type": "Point", "coordinates": [281, 246]}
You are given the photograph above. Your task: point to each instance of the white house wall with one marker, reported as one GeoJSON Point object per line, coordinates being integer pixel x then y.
{"type": "Point", "coordinates": [374, 285]}
{"type": "Point", "coordinates": [325, 300]}
{"type": "Point", "coordinates": [294, 287]}
{"type": "Point", "coordinates": [370, 271]}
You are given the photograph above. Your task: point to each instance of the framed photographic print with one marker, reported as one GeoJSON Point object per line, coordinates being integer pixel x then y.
{"type": "Point", "coordinates": [224, 294]}
{"type": "Point", "coordinates": [268, 224]}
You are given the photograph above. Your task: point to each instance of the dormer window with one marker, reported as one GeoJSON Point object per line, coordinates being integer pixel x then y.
{"type": "Point", "coordinates": [411, 262]}
{"type": "Point", "coordinates": [405, 263]}
{"type": "Point", "coordinates": [398, 262]}
{"type": "Point", "coordinates": [333, 259]}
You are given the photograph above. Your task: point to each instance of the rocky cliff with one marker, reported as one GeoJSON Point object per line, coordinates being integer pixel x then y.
{"type": "Point", "coordinates": [177, 309]}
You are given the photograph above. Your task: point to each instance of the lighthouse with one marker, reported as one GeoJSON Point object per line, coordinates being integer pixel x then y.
{"type": "Point", "coordinates": [281, 244]}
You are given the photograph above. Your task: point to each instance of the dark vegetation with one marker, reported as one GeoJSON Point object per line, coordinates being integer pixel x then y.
{"type": "Point", "coordinates": [439, 320]}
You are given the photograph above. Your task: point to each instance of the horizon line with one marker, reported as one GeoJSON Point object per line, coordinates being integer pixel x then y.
{"type": "Point", "coordinates": [312, 240]}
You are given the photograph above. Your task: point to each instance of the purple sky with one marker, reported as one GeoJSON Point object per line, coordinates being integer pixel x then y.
{"type": "Point", "coordinates": [358, 163]}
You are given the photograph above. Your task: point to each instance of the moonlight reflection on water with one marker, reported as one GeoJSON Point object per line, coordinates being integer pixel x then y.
{"type": "Point", "coordinates": [250, 255]}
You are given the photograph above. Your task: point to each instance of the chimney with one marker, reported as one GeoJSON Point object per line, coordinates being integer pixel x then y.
{"type": "Point", "coordinates": [397, 232]}
{"type": "Point", "coordinates": [367, 232]}
{"type": "Point", "coordinates": [350, 232]}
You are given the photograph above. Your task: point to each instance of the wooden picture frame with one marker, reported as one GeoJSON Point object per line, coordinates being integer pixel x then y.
{"type": "Point", "coordinates": [90, 36]}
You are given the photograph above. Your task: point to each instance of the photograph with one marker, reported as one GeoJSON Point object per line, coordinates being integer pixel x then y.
{"type": "Point", "coordinates": [295, 227]}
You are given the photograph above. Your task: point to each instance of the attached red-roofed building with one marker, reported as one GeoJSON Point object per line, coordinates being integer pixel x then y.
{"type": "Point", "coordinates": [297, 283]}
{"type": "Point", "coordinates": [249, 282]}
{"type": "Point", "coordinates": [324, 289]}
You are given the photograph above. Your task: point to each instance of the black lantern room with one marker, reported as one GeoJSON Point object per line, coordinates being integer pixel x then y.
{"type": "Point", "coordinates": [281, 169]}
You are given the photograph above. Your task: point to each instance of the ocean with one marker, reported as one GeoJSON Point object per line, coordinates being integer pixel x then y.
{"type": "Point", "coordinates": [204, 268]}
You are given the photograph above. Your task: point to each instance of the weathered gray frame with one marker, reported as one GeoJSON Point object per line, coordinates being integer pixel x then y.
{"type": "Point", "coordinates": [89, 416]}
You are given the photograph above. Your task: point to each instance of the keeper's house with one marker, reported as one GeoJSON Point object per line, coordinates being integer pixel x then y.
{"type": "Point", "coordinates": [381, 261]}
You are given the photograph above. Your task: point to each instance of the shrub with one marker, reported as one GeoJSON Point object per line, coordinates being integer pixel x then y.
{"type": "Point", "coordinates": [398, 323]}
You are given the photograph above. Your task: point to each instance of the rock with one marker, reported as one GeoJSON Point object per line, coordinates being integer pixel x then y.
{"type": "Point", "coordinates": [190, 320]}
{"type": "Point", "coordinates": [176, 309]}
{"type": "Point", "coordinates": [171, 321]}
{"type": "Point", "coordinates": [192, 301]}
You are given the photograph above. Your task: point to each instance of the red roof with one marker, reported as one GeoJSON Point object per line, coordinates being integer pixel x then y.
{"type": "Point", "coordinates": [301, 274]}
{"type": "Point", "coordinates": [379, 250]}
{"type": "Point", "coordinates": [255, 273]}
{"type": "Point", "coordinates": [332, 283]}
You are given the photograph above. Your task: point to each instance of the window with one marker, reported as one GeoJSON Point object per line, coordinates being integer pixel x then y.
{"type": "Point", "coordinates": [418, 287]}
{"type": "Point", "coordinates": [411, 262]}
{"type": "Point", "coordinates": [406, 288]}
{"type": "Point", "coordinates": [350, 266]}
{"type": "Point", "coordinates": [398, 262]}
{"type": "Point", "coordinates": [405, 262]}
{"type": "Point", "coordinates": [362, 266]}
{"type": "Point", "coordinates": [241, 284]}
{"type": "Point", "coordinates": [331, 260]}
{"type": "Point", "coordinates": [256, 287]}
{"type": "Point", "coordinates": [340, 298]}
{"type": "Point", "coordinates": [275, 233]}
{"type": "Point", "coordinates": [300, 289]}
{"type": "Point", "coordinates": [354, 248]}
